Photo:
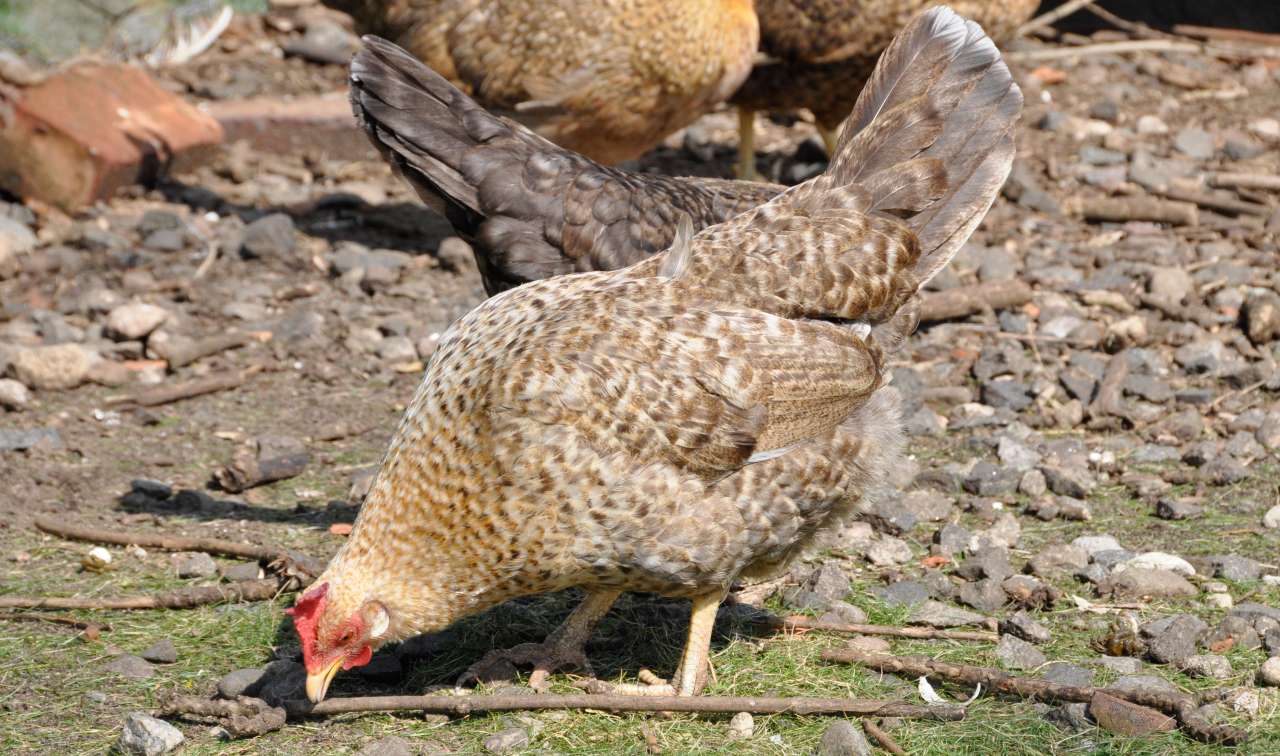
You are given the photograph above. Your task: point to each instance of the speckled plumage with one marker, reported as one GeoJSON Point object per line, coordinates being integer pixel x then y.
{"type": "Point", "coordinates": [698, 416]}
{"type": "Point", "coordinates": [530, 208]}
{"type": "Point", "coordinates": [824, 50]}
{"type": "Point", "coordinates": [606, 79]}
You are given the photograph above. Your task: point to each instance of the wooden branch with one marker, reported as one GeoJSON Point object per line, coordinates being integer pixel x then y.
{"type": "Point", "coordinates": [1178, 705]}
{"type": "Point", "coordinates": [248, 470]}
{"type": "Point", "coordinates": [796, 622]}
{"type": "Point", "coordinates": [56, 619]}
{"type": "Point", "coordinates": [963, 301]}
{"type": "Point", "coordinates": [1227, 35]}
{"type": "Point", "coordinates": [186, 352]}
{"type": "Point", "coordinates": [883, 738]}
{"type": "Point", "coordinates": [1214, 202]}
{"type": "Point", "coordinates": [167, 394]}
{"type": "Point", "coordinates": [1049, 19]}
{"type": "Point", "coordinates": [218, 546]}
{"type": "Point", "coordinates": [1104, 48]}
{"type": "Point", "coordinates": [1125, 209]}
{"type": "Point", "coordinates": [184, 598]}
{"type": "Point", "coordinates": [1264, 181]}
{"type": "Point", "coordinates": [464, 705]}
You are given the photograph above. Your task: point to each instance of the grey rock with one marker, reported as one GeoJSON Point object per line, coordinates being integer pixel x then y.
{"type": "Point", "coordinates": [135, 320]}
{"type": "Point", "coordinates": [1154, 454]}
{"type": "Point", "coordinates": [988, 562]}
{"type": "Point", "coordinates": [1058, 558]}
{"type": "Point", "coordinates": [60, 366]}
{"type": "Point", "coordinates": [1033, 483]}
{"type": "Point", "coordinates": [128, 665]}
{"type": "Point", "coordinates": [952, 538]}
{"type": "Point", "coordinates": [1269, 672]}
{"type": "Point", "coordinates": [396, 349]}
{"type": "Point", "coordinates": [937, 614]}
{"type": "Point", "coordinates": [1149, 388]}
{"type": "Point", "coordinates": [1234, 567]}
{"type": "Point", "coordinates": [195, 564]}
{"type": "Point", "coordinates": [1251, 610]}
{"type": "Point", "coordinates": [243, 571]}
{"type": "Point", "coordinates": [1239, 630]}
{"type": "Point", "coordinates": [1121, 665]}
{"type": "Point", "coordinates": [1111, 557]}
{"type": "Point", "coordinates": [830, 582]}
{"type": "Point", "coordinates": [1212, 666]}
{"type": "Point", "coordinates": [1194, 143]}
{"type": "Point", "coordinates": [1073, 717]}
{"type": "Point", "coordinates": [1024, 626]}
{"type": "Point", "coordinates": [1172, 639]}
{"type": "Point", "coordinates": [985, 479]}
{"type": "Point", "coordinates": [33, 438]}
{"type": "Point", "coordinates": [1062, 673]}
{"type": "Point", "coordinates": [145, 735]}
{"type": "Point", "coordinates": [928, 506]}
{"type": "Point", "coordinates": [508, 740]}
{"type": "Point", "coordinates": [986, 595]}
{"type": "Point", "coordinates": [1078, 383]}
{"type": "Point", "coordinates": [889, 551]}
{"type": "Point", "coordinates": [281, 680]}
{"type": "Point", "coordinates": [238, 682]}
{"type": "Point", "coordinates": [392, 745]}
{"type": "Point", "coordinates": [843, 739]}
{"type": "Point", "coordinates": [1271, 641]}
{"type": "Point", "coordinates": [1136, 582]}
{"type": "Point", "coordinates": [1224, 471]}
{"type": "Point", "coordinates": [1200, 357]}
{"type": "Point", "coordinates": [903, 593]}
{"type": "Point", "coordinates": [1015, 653]}
{"type": "Point", "coordinates": [1006, 393]}
{"type": "Point", "coordinates": [1017, 455]}
{"type": "Point", "coordinates": [324, 42]}
{"type": "Point", "coordinates": [742, 726]}
{"type": "Point", "coordinates": [1094, 155]}
{"type": "Point", "coordinates": [1177, 509]}
{"type": "Point", "coordinates": [269, 237]}
{"type": "Point", "coordinates": [844, 613]}
{"type": "Point", "coordinates": [1075, 482]}
{"type": "Point", "coordinates": [1093, 544]}
{"type": "Point", "coordinates": [161, 652]}
{"type": "Point", "coordinates": [1271, 520]}
{"type": "Point", "coordinates": [1142, 683]}
{"type": "Point", "coordinates": [1170, 283]}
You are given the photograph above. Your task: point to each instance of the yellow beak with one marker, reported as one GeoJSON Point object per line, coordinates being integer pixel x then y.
{"type": "Point", "coordinates": [318, 682]}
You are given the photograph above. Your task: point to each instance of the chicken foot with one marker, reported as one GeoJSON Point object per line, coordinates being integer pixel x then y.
{"type": "Point", "coordinates": [746, 168]}
{"type": "Point", "coordinates": [691, 676]}
{"type": "Point", "coordinates": [562, 648]}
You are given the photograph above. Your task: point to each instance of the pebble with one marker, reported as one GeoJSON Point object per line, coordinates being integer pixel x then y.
{"type": "Point", "coordinates": [1211, 666]}
{"type": "Point", "coordinates": [1017, 654]}
{"type": "Point", "coordinates": [506, 741]}
{"type": "Point", "coordinates": [937, 614]}
{"type": "Point", "coordinates": [986, 595]}
{"type": "Point", "coordinates": [1219, 600]}
{"type": "Point", "coordinates": [243, 571]}
{"type": "Point", "coordinates": [1171, 640]}
{"type": "Point", "coordinates": [742, 726]}
{"type": "Point", "coordinates": [144, 734]}
{"type": "Point", "coordinates": [1234, 567]}
{"type": "Point", "coordinates": [1149, 125]}
{"type": "Point", "coordinates": [13, 395]}
{"type": "Point", "coordinates": [61, 366]}
{"type": "Point", "coordinates": [31, 438]}
{"type": "Point", "coordinates": [136, 320]}
{"type": "Point", "coordinates": [195, 564]}
{"type": "Point", "coordinates": [1158, 560]}
{"type": "Point", "coordinates": [888, 551]}
{"type": "Point", "coordinates": [1058, 558]}
{"type": "Point", "coordinates": [1121, 665]}
{"type": "Point", "coordinates": [843, 739]}
{"type": "Point", "coordinates": [236, 682]}
{"type": "Point", "coordinates": [1269, 672]}
{"type": "Point", "coordinates": [1092, 545]}
{"type": "Point", "coordinates": [903, 593]}
{"type": "Point", "coordinates": [128, 665]}
{"type": "Point", "coordinates": [1024, 626]}
{"type": "Point", "coordinates": [1062, 673]}
{"type": "Point", "coordinates": [392, 745]}
{"type": "Point", "coordinates": [1271, 520]}
{"type": "Point", "coordinates": [1194, 143]}
{"type": "Point", "coordinates": [161, 652]}
{"type": "Point", "coordinates": [270, 237]}
{"type": "Point", "coordinates": [1138, 582]}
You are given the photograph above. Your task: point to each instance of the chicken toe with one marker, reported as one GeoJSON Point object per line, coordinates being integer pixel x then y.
{"type": "Point", "coordinates": [691, 676]}
{"type": "Point", "coordinates": [562, 649]}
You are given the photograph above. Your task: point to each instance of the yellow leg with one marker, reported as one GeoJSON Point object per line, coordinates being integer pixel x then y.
{"type": "Point", "coordinates": [746, 169]}
{"type": "Point", "coordinates": [562, 648]}
{"type": "Point", "coordinates": [697, 648]}
{"type": "Point", "coordinates": [828, 139]}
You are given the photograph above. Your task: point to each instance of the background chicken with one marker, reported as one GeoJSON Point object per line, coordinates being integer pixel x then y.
{"type": "Point", "coordinates": [608, 80]}
{"type": "Point", "coordinates": [530, 208]}
{"type": "Point", "coordinates": [692, 419]}
{"type": "Point", "coordinates": [824, 50]}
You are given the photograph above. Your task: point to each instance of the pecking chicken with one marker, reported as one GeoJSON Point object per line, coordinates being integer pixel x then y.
{"type": "Point", "coordinates": [530, 208]}
{"type": "Point", "coordinates": [823, 51]}
{"type": "Point", "coordinates": [689, 420]}
{"type": "Point", "coordinates": [606, 79]}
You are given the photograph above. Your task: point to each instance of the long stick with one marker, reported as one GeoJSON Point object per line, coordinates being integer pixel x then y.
{"type": "Point", "coordinates": [186, 598]}
{"type": "Point", "coordinates": [1177, 705]}
{"type": "Point", "coordinates": [166, 394]}
{"type": "Point", "coordinates": [1048, 19]}
{"type": "Point", "coordinates": [883, 738]}
{"type": "Point", "coordinates": [57, 619]}
{"type": "Point", "coordinates": [217, 546]}
{"type": "Point", "coordinates": [796, 622]}
{"type": "Point", "coordinates": [463, 705]}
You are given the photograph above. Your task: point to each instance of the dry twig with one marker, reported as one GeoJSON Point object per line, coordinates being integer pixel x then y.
{"type": "Point", "coordinates": [187, 352]}
{"type": "Point", "coordinates": [796, 622]}
{"type": "Point", "coordinates": [963, 301]}
{"type": "Point", "coordinates": [1045, 20]}
{"type": "Point", "coordinates": [1178, 705]}
{"type": "Point", "coordinates": [883, 738]}
{"type": "Point", "coordinates": [1125, 209]}
{"type": "Point", "coordinates": [184, 598]}
{"type": "Point", "coordinates": [167, 394]}
{"type": "Point", "coordinates": [56, 619]}
{"type": "Point", "coordinates": [218, 546]}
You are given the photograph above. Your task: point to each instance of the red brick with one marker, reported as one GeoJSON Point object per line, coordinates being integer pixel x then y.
{"type": "Point", "coordinates": [320, 126]}
{"type": "Point", "coordinates": [84, 132]}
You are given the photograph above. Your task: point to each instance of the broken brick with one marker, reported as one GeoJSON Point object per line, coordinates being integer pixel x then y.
{"type": "Point", "coordinates": [321, 126]}
{"type": "Point", "coordinates": [79, 135]}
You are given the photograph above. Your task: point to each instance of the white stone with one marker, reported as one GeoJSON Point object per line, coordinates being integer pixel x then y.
{"type": "Point", "coordinates": [1158, 560]}
{"type": "Point", "coordinates": [1268, 128]}
{"type": "Point", "coordinates": [1269, 674]}
{"type": "Point", "coordinates": [889, 551]}
{"type": "Point", "coordinates": [13, 395]}
{"type": "Point", "coordinates": [742, 726]}
{"type": "Point", "coordinates": [61, 366]}
{"type": "Point", "coordinates": [144, 734]}
{"type": "Point", "coordinates": [133, 321]}
{"type": "Point", "coordinates": [1151, 125]}
{"type": "Point", "coordinates": [1272, 518]}
{"type": "Point", "coordinates": [1219, 600]}
{"type": "Point", "coordinates": [1092, 544]}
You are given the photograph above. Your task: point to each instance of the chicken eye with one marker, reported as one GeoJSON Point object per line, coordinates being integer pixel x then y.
{"type": "Point", "coordinates": [347, 638]}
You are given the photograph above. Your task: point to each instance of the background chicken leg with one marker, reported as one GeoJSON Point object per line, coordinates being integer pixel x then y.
{"type": "Point", "coordinates": [562, 648]}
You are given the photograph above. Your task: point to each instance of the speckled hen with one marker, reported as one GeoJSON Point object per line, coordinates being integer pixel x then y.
{"type": "Point", "coordinates": [692, 419]}
{"type": "Point", "coordinates": [608, 79]}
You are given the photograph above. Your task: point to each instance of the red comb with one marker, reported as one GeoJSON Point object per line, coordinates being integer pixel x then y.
{"type": "Point", "coordinates": [310, 603]}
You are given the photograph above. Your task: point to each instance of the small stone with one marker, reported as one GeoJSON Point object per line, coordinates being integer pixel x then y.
{"type": "Point", "coordinates": [1058, 558]}
{"type": "Point", "coordinates": [1062, 673]}
{"type": "Point", "coordinates": [742, 726]}
{"type": "Point", "coordinates": [1200, 357]}
{"type": "Point", "coordinates": [952, 538]}
{"type": "Point", "coordinates": [508, 740]}
{"type": "Point", "coordinates": [1219, 600]}
{"type": "Point", "coordinates": [1015, 653]}
{"type": "Point", "coordinates": [1271, 520]}
{"type": "Point", "coordinates": [1269, 673]}
{"type": "Point", "coordinates": [1224, 471]}
{"type": "Point", "coordinates": [1023, 626]}
{"type": "Point", "coordinates": [903, 593]}
{"type": "Point", "coordinates": [134, 321]}
{"type": "Point", "coordinates": [1261, 318]}
{"type": "Point", "coordinates": [1173, 639]}
{"type": "Point", "coordinates": [243, 571]}
{"type": "Point", "coordinates": [144, 734]}
{"type": "Point", "coordinates": [986, 595]}
{"type": "Point", "coordinates": [1170, 283]}
{"type": "Point", "coordinates": [1121, 665]}
{"type": "Point", "coordinates": [1212, 666]}
{"type": "Point", "coordinates": [236, 683]}
{"type": "Point", "coordinates": [985, 479]}
{"type": "Point", "coordinates": [1006, 393]}
{"type": "Point", "coordinates": [845, 613]}
{"type": "Point", "coordinates": [889, 551]}
{"type": "Point", "coordinates": [161, 652]}
{"type": "Point", "coordinates": [1072, 717]}
{"type": "Point", "coordinates": [1177, 509]}
{"type": "Point", "coordinates": [829, 582]}
{"type": "Point", "coordinates": [32, 438]}
{"type": "Point", "coordinates": [1149, 125]}
{"type": "Point", "coordinates": [843, 739]}
{"type": "Point", "coordinates": [1124, 718]}
{"type": "Point", "coordinates": [61, 366]}
{"type": "Point", "coordinates": [269, 237]}
{"type": "Point", "coordinates": [1074, 482]}
{"type": "Point", "coordinates": [195, 564]}
{"type": "Point", "coordinates": [989, 562]}
{"type": "Point", "coordinates": [128, 665]}
{"type": "Point", "coordinates": [1194, 143]}
{"type": "Point", "coordinates": [1033, 484]}
{"type": "Point", "coordinates": [392, 745]}
{"type": "Point", "coordinates": [1092, 545]}
{"type": "Point", "coordinates": [937, 614]}
{"type": "Point", "coordinates": [13, 395]}
{"type": "Point", "coordinates": [324, 41]}
{"type": "Point", "coordinates": [1158, 560]}
{"type": "Point", "coordinates": [1138, 582]}
{"type": "Point", "coordinates": [1237, 568]}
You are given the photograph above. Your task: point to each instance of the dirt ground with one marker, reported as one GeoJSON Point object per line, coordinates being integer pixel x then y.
{"type": "Point", "coordinates": [348, 299]}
